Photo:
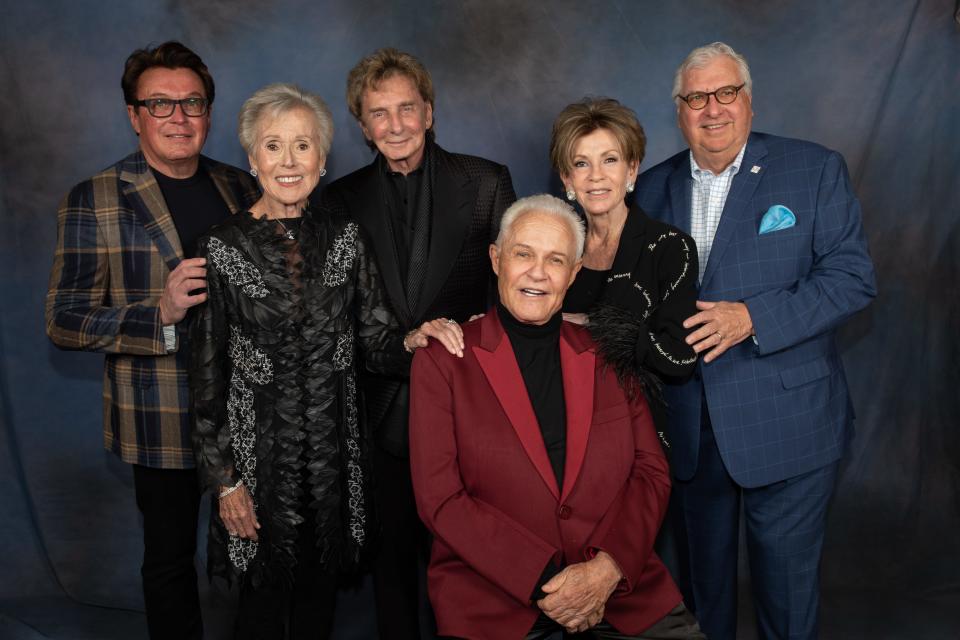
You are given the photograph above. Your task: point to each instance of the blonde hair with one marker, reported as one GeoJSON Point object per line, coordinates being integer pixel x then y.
{"type": "Point", "coordinates": [583, 118]}
{"type": "Point", "coordinates": [381, 65]}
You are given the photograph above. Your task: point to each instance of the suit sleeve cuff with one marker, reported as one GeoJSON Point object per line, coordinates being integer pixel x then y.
{"type": "Point", "coordinates": [170, 337]}
{"type": "Point", "coordinates": [623, 585]}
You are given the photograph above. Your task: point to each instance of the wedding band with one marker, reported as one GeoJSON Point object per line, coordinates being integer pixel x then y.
{"type": "Point", "coordinates": [720, 335]}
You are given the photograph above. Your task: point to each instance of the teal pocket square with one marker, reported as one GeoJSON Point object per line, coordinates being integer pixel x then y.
{"type": "Point", "coordinates": [776, 218]}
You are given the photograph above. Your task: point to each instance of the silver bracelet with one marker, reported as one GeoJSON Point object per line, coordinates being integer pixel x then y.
{"type": "Point", "coordinates": [229, 490]}
{"type": "Point", "coordinates": [407, 335]}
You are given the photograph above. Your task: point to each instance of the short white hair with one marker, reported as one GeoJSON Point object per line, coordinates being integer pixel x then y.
{"type": "Point", "coordinates": [546, 204]}
{"type": "Point", "coordinates": [702, 56]}
{"type": "Point", "coordinates": [278, 98]}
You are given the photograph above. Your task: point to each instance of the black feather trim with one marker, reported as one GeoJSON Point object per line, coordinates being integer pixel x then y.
{"type": "Point", "coordinates": [617, 332]}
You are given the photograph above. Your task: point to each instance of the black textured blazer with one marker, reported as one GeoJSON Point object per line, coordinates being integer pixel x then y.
{"type": "Point", "coordinates": [470, 195]}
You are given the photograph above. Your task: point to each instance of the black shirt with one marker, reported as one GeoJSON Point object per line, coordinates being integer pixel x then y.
{"type": "Point", "coordinates": [402, 195]}
{"type": "Point", "coordinates": [195, 205]}
{"type": "Point", "coordinates": [585, 290]}
{"type": "Point", "coordinates": [537, 349]}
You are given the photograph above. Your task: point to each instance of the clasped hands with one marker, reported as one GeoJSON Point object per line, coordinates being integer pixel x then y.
{"type": "Point", "coordinates": [577, 596]}
{"type": "Point", "coordinates": [720, 325]}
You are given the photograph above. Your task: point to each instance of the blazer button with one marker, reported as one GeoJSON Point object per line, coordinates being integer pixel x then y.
{"type": "Point", "coordinates": [564, 512]}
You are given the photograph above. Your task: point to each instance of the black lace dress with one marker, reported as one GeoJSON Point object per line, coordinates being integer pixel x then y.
{"type": "Point", "coordinates": [273, 379]}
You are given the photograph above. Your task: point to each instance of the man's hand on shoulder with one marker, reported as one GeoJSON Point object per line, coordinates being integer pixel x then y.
{"type": "Point", "coordinates": [189, 275]}
{"type": "Point", "coordinates": [719, 326]}
{"type": "Point", "coordinates": [447, 331]}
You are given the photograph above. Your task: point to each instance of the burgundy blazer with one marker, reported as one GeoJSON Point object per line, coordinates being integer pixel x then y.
{"type": "Point", "coordinates": [485, 488]}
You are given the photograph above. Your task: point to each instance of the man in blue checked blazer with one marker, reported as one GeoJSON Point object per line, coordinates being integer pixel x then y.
{"type": "Point", "coordinates": [123, 279]}
{"type": "Point", "coordinates": [766, 417]}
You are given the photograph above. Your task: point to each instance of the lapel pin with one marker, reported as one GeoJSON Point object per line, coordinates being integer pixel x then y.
{"type": "Point", "coordinates": [754, 169]}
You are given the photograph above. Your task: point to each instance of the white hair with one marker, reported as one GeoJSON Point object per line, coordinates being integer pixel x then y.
{"type": "Point", "coordinates": [702, 56]}
{"type": "Point", "coordinates": [549, 205]}
{"type": "Point", "coordinates": [278, 98]}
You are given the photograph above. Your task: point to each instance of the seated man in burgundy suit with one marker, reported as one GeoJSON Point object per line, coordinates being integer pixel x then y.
{"type": "Point", "coordinates": [541, 480]}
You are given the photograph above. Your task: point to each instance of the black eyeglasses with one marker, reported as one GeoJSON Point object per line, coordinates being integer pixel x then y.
{"type": "Point", "coordinates": [724, 95]}
{"type": "Point", "coordinates": [163, 107]}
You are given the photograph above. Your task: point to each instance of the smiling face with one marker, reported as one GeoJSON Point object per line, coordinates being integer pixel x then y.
{"type": "Point", "coordinates": [171, 145]}
{"type": "Point", "coordinates": [535, 265]}
{"type": "Point", "coordinates": [395, 118]}
{"type": "Point", "coordinates": [287, 158]}
{"type": "Point", "coordinates": [600, 173]}
{"type": "Point", "coordinates": [717, 132]}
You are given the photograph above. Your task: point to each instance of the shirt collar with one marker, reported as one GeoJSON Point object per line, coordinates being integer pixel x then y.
{"type": "Point", "coordinates": [697, 173]}
{"type": "Point", "coordinates": [416, 173]}
{"type": "Point", "coordinates": [420, 170]}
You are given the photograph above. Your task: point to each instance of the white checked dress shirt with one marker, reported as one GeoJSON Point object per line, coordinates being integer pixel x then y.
{"type": "Point", "coordinates": [707, 197]}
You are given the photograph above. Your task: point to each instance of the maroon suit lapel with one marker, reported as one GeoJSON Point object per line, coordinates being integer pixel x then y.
{"type": "Point", "coordinates": [578, 364]}
{"type": "Point", "coordinates": [499, 365]}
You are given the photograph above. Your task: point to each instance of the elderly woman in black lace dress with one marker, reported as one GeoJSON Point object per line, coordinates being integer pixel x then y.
{"type": "Point", "coordinates": [294, 309]}
{"type": "Point", "coordinates": [639, 277]}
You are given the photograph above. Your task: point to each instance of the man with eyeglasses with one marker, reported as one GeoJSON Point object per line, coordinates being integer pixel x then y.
{"type": "Point", "coordinates": [123, 279]}
{"type": "Point", "coordinates": [767, 415]}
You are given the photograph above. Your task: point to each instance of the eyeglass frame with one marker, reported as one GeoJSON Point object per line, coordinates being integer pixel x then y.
{"type": "Point", "coordinates": [707, 94]}
{"type": "Point", "coordinates": [146, 103]}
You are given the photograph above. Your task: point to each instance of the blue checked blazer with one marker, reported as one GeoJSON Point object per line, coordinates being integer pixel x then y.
{"type": "Point", "coordinates": [116, 244]}
{"type": "Point", "coordinates": [779, 405]}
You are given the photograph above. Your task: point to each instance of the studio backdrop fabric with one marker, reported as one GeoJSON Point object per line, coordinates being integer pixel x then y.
{"type": "Point", "coordinates": [878, 80]}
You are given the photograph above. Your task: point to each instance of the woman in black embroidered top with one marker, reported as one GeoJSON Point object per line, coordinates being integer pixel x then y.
{"type": "Point", "coordinates": [639, 276]}
{"type": "Point", "coordinates": [294, 307]}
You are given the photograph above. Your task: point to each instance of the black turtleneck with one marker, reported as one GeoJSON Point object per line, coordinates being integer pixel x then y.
{"type": "Point", "coordinates": [537, 349]}
{"type": "Point", "coordinates": [195, 205]}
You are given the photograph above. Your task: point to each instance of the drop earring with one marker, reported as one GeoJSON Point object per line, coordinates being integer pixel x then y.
{"type": "Point", "coordinates": [253, 172]}
{"type": "Point", "coordinates": [571, 195]}
{"type": "Point", "coordinates": [630, 188]}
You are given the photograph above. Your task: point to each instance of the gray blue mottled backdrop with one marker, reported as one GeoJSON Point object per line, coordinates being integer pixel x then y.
{"type": "Point", "coordinates": [878, 80]}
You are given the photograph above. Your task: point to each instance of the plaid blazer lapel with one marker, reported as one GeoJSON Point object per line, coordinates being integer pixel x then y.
{"type": "Point", "coordinates": [143, 193]}
{"type": "Point", "coordinates": [231, 189]}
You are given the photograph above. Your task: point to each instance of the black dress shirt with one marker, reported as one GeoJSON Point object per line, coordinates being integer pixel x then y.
{"type": "Point", "coordinates": [402, 195]}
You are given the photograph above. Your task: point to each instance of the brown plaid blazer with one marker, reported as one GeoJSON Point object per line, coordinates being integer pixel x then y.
{"type": "Point", "coordinates": [116, 244]}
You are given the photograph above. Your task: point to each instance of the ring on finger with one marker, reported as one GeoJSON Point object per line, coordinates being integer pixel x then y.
{"type": "Point", "coordinates": [449, 321]}
{"type": "Point", "coordinates": [719, 336]}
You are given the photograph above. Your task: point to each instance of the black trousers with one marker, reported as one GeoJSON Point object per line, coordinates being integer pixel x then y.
{"type": "Point", "coordinates": [402, 544]}
{"type": "Point", "coordinates": [679, 624]}
{"type": "Point", "coordinates": [169, 501]}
